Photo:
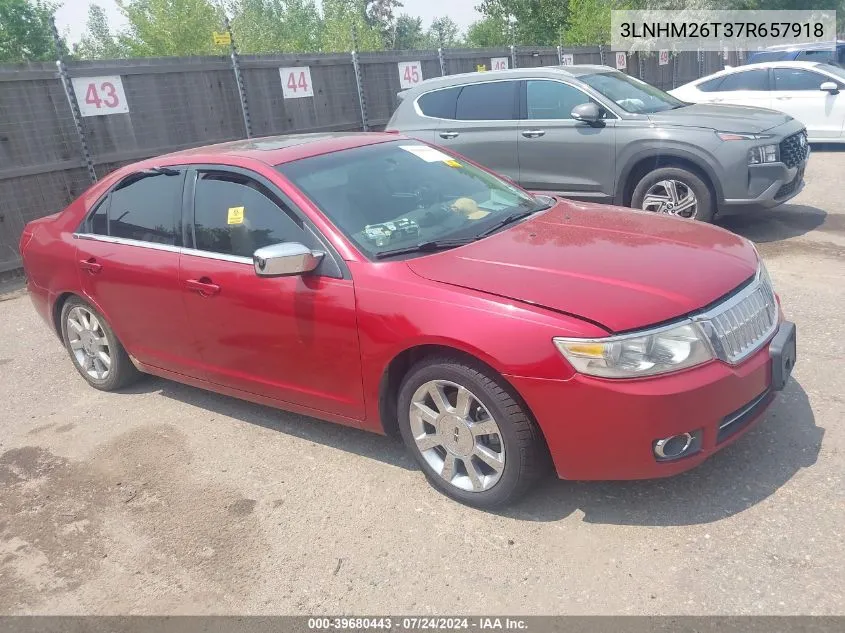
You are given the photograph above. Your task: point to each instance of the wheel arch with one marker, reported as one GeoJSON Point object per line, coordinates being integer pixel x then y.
{"type": "Point", "coordinates": [399, 366]}
{"type": "Point", "coordinates": [649, 160]}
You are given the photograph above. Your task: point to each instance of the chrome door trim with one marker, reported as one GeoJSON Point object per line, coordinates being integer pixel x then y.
{"type": "Point", "coordinates": [235, 259]}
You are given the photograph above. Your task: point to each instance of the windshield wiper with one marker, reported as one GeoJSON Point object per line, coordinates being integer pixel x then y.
{"type": "Point", "coordinates": [423, 247]}
{"type": "Point", "coordinates": [513, 217]}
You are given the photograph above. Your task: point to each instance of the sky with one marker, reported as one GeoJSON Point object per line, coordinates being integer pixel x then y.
{"type": "Point", "coordinates": [72, 15]}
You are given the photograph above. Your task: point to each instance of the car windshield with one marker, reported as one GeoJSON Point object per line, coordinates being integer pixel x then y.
{"type": "Point", "coordinates": [631, 94]}
{"type": "Point", "coordinates": [837, 71]}
{"type": "Point", "coordinates": [398, 194]}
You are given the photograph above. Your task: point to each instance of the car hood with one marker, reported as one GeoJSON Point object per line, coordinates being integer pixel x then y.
{"type": "Point", "coordinates": [722, 117]}
{"type": "Point", "coordinates": [619, 268]}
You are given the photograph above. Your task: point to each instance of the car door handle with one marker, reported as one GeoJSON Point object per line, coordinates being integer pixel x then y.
{"type": "Point", "coordinates": [716, 100]}
{"type": "Point", "coordinates": [449, 134]}
{"type": "Point", "coordinates": [203, 286]}
{"type": "Point", "coordinates": [90, 265]}
{"type": "Point", "coordinates": [533, 133]}
{"type": "Point", "coordinates": [783, 98]}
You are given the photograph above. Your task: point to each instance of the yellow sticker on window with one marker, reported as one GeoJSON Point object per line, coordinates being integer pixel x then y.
{"type": "Point", "coordinates": [236, 215]}
{"type": "Point", "coordinates": [452, 163]}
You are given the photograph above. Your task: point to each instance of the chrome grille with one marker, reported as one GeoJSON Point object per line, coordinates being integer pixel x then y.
{"type": "Point", "coordinates": [738, 327]}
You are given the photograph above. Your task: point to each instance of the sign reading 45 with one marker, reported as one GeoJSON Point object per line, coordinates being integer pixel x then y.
{"type": "Point", "coordinates": [100, 95]}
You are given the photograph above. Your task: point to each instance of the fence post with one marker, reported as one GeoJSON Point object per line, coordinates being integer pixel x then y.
{"type": "Point", "coordinates": [601, 54]}
{"type": "Point", "coordinates": [359, 84]}
{"type": "Point", "coordinates": [674, 69]}
{"type": "Point", "coordinates": [559, 55]}
{"type": "Point", "coordinates": [442, 61]}
{"type": "Point", "coordinates": [640, 66]}
{"type": "Point", "coordinates": [513, 56]}
{"type": "Point", "coordinates": [71, 99]}
{"type": "Point", "coordinates": [239, 80]}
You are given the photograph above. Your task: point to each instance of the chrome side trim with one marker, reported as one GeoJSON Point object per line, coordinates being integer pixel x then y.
{"type": "Point", "coordinates": [235, 259]}
{"type": "Point", "coordinates": [127, 242]}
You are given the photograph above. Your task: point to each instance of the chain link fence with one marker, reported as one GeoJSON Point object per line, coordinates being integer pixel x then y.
{"type": "Point", "coordinates": [54, 142]}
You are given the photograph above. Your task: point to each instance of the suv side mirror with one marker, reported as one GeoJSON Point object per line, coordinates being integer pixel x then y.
{"type": "Point", "coordinates": [285, 259]}
{"type": "Point", "coordinates": [830, 86]}
{"type": "Point", "coordinates": [587, 112]}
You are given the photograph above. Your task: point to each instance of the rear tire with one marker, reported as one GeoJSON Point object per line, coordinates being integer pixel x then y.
{"type": "Point", "coordinates": [474, 441]}
{"type": "Point", "coordinates": [94, 349]}
{"type": "Point", "coordinates": [654, 193]}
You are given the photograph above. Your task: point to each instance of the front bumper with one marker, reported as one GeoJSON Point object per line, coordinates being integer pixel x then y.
{"type": "Point", "coordinates": [604, 429]}
{"type": "Point", "coordinates": [768, 185]}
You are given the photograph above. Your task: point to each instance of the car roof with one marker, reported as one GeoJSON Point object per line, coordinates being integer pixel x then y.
{"type": "Point", "coordinates": [760, 66]}
{"type": "Point", "coordinates": [809, 46]}
{"type": "Point", "coordinates": [275, 150]}
{"type": "Point", "coordinates": [544, 72]}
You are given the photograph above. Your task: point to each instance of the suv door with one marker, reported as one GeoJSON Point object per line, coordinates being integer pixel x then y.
{"type": "Point", "coordinates": [484, 127]}
{"type": "Point", "coordinates": [128, 254]}
{"type": "Point", "coordinates": [293, 339]}
{"type": "Point", "coordinates": [744, 87]}
{"type": "Point", "coordinates": [556, 152]}
{"type": "Point", "coordinates": [796, 92]}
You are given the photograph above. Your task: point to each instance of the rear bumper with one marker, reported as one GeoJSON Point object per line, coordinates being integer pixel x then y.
{"type": "Point", "coordinates": [603, 429]}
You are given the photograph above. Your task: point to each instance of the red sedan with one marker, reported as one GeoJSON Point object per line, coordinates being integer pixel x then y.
{"type": "Point", "coordinates": [378, 282]}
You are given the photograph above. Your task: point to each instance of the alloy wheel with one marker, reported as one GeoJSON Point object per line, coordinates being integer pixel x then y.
{"type": "Point", "coordinates": [457, 436]}
{"type": "Point", "coordinates": [88, 343]}
{"type": "Point", "coordinates": [672, 197]}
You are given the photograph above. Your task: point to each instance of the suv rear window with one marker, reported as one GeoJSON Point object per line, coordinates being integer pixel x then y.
{"type": "Point", "coordinates": [489, 101]}
{"type": "Point", "coordinates": [440, 103]}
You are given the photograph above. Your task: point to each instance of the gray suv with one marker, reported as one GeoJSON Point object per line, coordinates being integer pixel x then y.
{"type": "Point", "coordinates": [593, 133]}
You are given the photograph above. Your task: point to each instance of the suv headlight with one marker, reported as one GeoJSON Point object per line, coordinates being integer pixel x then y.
{"type": "Point", "coordinates": [645, 353]}
{"type": "Point", "coordinates": [763, 154]}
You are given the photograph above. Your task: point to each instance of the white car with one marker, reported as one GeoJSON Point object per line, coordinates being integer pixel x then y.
{"type": "Point", "coordinates": [811, 92]}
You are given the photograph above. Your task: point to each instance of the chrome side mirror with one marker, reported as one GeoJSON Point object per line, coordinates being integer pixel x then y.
{"type": "Point", "coordinates": [587, 112]}
{"type": "Point", "coordinates": [829, 86]}
{"type": "Point", "coordinates": [285, 259]}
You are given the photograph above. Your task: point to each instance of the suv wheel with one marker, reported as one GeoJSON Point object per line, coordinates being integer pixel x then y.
{"type": "Point", "coordinates": [674, 191]}
{"type": "Point", "coordinates": [471, 438]}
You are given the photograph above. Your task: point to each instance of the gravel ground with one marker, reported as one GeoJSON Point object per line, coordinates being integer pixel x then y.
{"type": "Point", "coordinates": [168, 499]}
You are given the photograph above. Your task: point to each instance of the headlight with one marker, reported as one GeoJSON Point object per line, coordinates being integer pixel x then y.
{"type": "Point", "coordinates": [638, 354]}
{"type": "Point", "coordinates": [763, 154]}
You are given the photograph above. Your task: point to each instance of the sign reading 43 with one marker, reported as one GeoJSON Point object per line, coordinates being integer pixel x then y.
{"type": "Point", "coordinates": [100, 95]}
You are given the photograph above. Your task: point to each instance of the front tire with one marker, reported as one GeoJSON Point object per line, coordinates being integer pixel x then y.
{"type": "Point", "coordinates": [674, 191]}
{"type": "Point", "coordinates": [468, 433]}
{"type": "Point", "coordinates": [94, 349]}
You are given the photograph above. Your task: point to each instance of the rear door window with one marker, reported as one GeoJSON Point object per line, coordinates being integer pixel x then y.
{"type": "Point", "coordinates": [746, 80]}
{"type": "Point", "coordinates": [488, 101]}
{"type": "Point", "coordinates": [145, 207]}
{"type": "Point", "coordinates": [440, 104]}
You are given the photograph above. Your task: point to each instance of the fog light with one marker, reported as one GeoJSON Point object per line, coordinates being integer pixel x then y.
{"type": "Point", "coordinates": [677, 446]}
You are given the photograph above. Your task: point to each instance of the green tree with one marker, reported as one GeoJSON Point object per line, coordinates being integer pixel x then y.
{"type": "Point", "coordinates": [408, 33]}
{"type": "Point", "coordinates": [98, 42]}
{"type": "Point", "coordinates": [343, 17]}
{"type": "Point", "coordinates": [287, 26]}
{"type": "Point", "coordinates": [536, 22]}
{"type": "Point", "coordinates": [444, 32]}
{"type": "Point", "coordinates": [26, 31]}
{"type": "Point", "coordinates": [160, 28]}
{"type": "Point", "coordinates": [488, 32]}
{"type": "Point", "coordinates": [380, 16]}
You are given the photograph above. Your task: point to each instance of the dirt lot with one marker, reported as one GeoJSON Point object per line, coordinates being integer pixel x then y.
{"type": "Point", "coordinates": [167, 499]}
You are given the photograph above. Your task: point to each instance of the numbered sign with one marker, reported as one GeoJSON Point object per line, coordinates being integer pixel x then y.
{"type": "Point", "coordinates": [410, 74]}
{"type": "Point", "coordinates": [568, 59]}
{"type": "Point", "coordinates": [100, 95]}
{"type": "Point", "coordinates": [663, 58]}
{"type": "Point", "coordinates": [296, 82]}
{"type": "Point", "coordinates": [621, 61]}
{"type": "Point", "coordinates": [498, 63]}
